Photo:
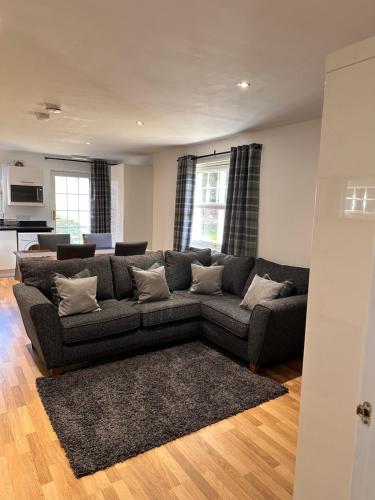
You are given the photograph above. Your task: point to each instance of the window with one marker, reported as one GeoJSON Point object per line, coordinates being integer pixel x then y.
{"type": "Point", "coordinates": [72, 205]}
{"type": "Point", "coordinates": [209, 204]}
{"type": "Point", "coordinates": [360, 200]}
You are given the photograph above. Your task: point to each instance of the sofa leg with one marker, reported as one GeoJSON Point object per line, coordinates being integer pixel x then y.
{"type": "Point", "coordinates": [54, 372]}
{"type": "Point", "coordinates": [254, 367]}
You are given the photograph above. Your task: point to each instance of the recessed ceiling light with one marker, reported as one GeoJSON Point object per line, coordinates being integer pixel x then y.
{"type": "Point", "coordinates": [139, 123]}
{"type": "Point", "coordinates": [53, 108]}
{"type": "Point", "coordinates": [243, 85]}
{"type": "Point", "coordinates": [88, 143]}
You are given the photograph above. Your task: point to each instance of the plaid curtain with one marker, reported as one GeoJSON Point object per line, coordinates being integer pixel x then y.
{"type": "Point", "coordinates": [241, 215]}
{"type": "Point", "coordinates": [184, 202]}
{"type": "Point", "coordinates": [100, 197]}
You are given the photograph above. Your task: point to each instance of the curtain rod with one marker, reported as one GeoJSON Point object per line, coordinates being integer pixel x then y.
{"type": "Point", "coordinates": [211, 154]}
{"type": "Point", "coordinates": [75, 159]}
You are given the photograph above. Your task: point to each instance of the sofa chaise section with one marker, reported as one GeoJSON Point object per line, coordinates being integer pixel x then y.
{"type": "Point", "coordinates": [276, 330]}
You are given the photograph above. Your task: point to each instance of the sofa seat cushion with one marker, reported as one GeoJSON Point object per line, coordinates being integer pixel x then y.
{"type": "Point", "coordinates": [115, 317]}
{"type": "Point", "coordinates": [226, 312]}
{"type": "Point", "coordinates": [166, 311]}
{"type": "Point", "coordinates": [200, 297]}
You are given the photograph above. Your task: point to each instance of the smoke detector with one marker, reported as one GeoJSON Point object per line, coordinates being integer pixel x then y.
{"type": "Point", "coordinates": [53, 108]}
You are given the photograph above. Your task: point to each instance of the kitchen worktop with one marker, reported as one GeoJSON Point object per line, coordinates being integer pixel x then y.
{"type": "Point", "coordinates": [31, 229]}
{"type": "Point", "coordinates": [23, 226]}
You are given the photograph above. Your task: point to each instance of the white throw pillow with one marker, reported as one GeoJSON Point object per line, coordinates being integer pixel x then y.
{"type": "Point", "coordinates": [151, 284]}
{"type": "Point", "coordinates": [261, 289]}
{"type": "Point", "coordinates": [77, 296]}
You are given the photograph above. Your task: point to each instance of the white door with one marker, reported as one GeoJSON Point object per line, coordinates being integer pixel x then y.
{"type": "Point", "coordinates": [335, 457]}
{"type": "Point", "coordinates": [363, 483]}
{"type": "Point", "coordinates": [71, 204]}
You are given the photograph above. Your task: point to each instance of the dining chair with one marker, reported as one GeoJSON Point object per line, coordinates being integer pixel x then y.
{"type": "Point", "coordinates": [75, 251]}
{"type": "Point", "coordinates": [50, 241]}
{"type": "Point", "coordinates": [101, 240]}
{"type": "Point", "coordinates": [135, 248]}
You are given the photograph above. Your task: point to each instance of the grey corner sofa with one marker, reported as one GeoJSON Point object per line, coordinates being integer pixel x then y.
{"type": "Point", "coordinates": [273, 331]}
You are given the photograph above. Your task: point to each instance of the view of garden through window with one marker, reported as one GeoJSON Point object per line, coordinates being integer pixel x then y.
{"type": "Point", "coordinates": [72, 201]}
{"type": "Point", "coordinates": [209, 206]}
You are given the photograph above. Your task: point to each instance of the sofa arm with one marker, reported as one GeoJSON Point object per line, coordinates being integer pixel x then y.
{"type": "Point", "coordinates": [277, 330]}
{"type": "Point", "coordinates": [42, 323]}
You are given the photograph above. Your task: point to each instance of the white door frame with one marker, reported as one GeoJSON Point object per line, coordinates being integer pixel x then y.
{"type": "Point", "coordinates": [363, 480]}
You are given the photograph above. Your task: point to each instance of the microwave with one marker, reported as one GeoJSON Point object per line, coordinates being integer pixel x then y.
{"type": "Point", "coordinates": [28, 195]}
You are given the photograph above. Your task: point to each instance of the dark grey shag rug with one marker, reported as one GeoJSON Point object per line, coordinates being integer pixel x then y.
{"type": "Point", "coordinates": [108, 413]}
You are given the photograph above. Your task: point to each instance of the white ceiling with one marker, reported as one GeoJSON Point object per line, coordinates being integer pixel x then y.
{"type": "Point", "coordinates": [173, 64]}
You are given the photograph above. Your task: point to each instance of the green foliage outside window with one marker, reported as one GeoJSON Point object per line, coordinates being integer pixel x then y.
{"type": "Point", "coordinates": [69, 226]}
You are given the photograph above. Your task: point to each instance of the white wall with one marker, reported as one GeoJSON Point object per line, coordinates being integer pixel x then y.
{"type": "Point", "coordinates": [165, 175]}
{"type": "Point", "coordinates": [138, 196]}
{"type": "Point", "coordinates": [287, 189]}
{"type": "Point", "coordinates": [117, 202]}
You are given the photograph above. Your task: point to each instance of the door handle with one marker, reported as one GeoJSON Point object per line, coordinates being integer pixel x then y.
{"type": "Point", "coordinates": [364, 410]}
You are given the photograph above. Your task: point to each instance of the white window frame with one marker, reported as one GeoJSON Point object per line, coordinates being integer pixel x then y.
{"type": "Point", "coordinates": [211, 165]}
{"type": "Point", "coordinates": [62, 173]}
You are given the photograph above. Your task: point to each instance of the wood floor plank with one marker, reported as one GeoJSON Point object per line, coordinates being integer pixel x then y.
{"type": "Point", "coordinates": [248, 456]}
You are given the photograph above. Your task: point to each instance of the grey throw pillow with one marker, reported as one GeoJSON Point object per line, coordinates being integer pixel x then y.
{"type": "Point", "coordinates": [77, 296]}
{"type": "Point", "coordinates": [288, 288]}
{"type": "Point", "coordinates": [135, 291]}
{"type": "Point", "coordinates": [151, 284]}
{"type": "Point", "coordinates": [207, 280]}
{"type": "Point", "coordinates": [122, 281]}
{"type": "Point", "coordinates": [261, 289]}
{"type": "Point", "coordinates": [178, 270]}
{"type": "Point", "coordinates": [85, 273]}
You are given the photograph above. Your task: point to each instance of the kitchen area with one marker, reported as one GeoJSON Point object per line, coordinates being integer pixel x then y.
{"type": "Point", "coordinates": [41, 194]}
{"type": "Point", "coordinates": [22, 197]}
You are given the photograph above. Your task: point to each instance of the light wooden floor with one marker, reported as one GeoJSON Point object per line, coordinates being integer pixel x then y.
{"type": "Point", "coordinates": [248, 456]}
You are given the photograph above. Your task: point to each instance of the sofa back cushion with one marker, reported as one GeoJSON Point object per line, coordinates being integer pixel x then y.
{"type": "Point", "coordinates": [236, 271]}
{"type": "Point", "coordinates": [278, 272]}
{"type": "Point", "coordinates": [39, 273]}
{"type": "Point", "coordinates": [122, 280]}
{"type": "Point", "coordinates": [178, 266]}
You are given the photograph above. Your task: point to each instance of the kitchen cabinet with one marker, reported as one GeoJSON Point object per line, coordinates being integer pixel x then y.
{"type": "Point", "coordinates": [27, 176]}
{"type": "Point", "coordinates": [8, 244]}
